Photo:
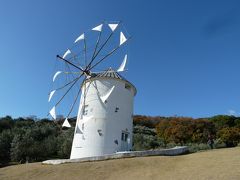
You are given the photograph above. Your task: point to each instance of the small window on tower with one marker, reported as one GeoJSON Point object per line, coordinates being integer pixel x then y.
{"type": "Point", "coordinates": [127, 86]}
{"type": "Point", "coordinates": [116, 142]}
{"type": "Point", "coordinates": [116, 109]}
{"type": "Point", "coordinates": [85, 110]}
{"type": "Point", "coordinates": [100, 132]}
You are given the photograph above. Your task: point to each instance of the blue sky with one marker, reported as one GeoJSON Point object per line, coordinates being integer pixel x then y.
{"type": "Point", "coordinates": [184, 55]}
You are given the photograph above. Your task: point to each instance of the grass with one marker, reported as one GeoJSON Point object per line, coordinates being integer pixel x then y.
{"type": "Point", "coordinates": [212, 164]}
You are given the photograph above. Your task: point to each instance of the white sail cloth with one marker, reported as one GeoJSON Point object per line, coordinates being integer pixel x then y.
{"type": "Point", "coordinates": [66, 123]}
{"type": "Point", "coordinates": [122, 66]}
{"type": "Point", "coordinates": [113, 26]}
{"type": "Point", "coordinates": [98, 28]}
{"type": "Point", "coordinates": [106, 96]}
{"type": "Point", "coordinates": [53, 113]}
{"type": "Point", "coordinates": [123, 39]}
{"type": "Point", "coordinates": [56, 74]}
{"type": "Point", "coordinates": [81, 37]}
{"type": "Point", "coordinates": [50, 95]}
{"type": "Point", "coordinates": [66, 53]}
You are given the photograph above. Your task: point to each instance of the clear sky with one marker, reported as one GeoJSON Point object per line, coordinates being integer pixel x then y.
{"type": "Point", "coordinates": [185, 55]}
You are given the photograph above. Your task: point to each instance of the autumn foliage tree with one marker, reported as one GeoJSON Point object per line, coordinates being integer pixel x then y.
{"type": "Point", "coordinates": [229, 135]}
{"type": "Point", "coordinates": [202, 129]}
{"type": "Point", "coordinates": [185, 130]}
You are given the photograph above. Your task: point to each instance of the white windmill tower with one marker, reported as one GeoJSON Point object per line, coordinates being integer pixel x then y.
{"type": "Point", "coordinates": [104, 120]}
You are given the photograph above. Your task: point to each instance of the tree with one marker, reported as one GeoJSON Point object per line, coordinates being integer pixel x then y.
{"type": "Point", "coordinates": [202, 129]}
{"type": "Point", "coordinates": [185, 130]}
{"type": "Point", "coordinates": [64, 143]}
{"type": "Point", "coordinates": [230, 136]}
{"type": "Point", "coordinates": [177, 130]}
{"type": "Point", "coordinates": [6, 123]}
{"type": "Point", "coordinates": [18, 152]}
{"type": "Point", "coordinates": [36, 142]}
{"type": "Point", "coordinates": [222, 121]}
{"type": "Point", "coordinates": [5, 145]}
{"type": "Point", "coordinates": [161, 131]}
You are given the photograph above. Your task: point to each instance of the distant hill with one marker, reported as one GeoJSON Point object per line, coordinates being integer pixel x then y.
{"type": "Point", "coordinates": [215, 164]}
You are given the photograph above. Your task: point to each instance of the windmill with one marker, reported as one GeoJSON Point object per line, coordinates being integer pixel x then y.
{"type": "Point", "coordinates": [104, 120]}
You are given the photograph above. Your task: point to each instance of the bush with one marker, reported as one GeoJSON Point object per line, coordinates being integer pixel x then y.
{"type": "Point", "coordinates": [197, 147]}
{"type": "Point", "coordinates": [144, 142]}
{"type": "Point", "coordinates": [230, 136]}
{"type": "Point", "coordinates": [222, 121]}
{"type": "Point", "coordinates": [35, 143]}
{"type": "Point", "coordinates": [5, 145]}
{"type": "Point", "coordinates": [6, 123]}
{"type": "Point", "coordinates": [144, 138]}
{"type": "Point", "coordinates": [64, 143]}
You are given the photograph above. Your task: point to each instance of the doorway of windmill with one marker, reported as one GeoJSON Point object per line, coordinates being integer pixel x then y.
{"type": "Point", "coordinates": [125, 141]}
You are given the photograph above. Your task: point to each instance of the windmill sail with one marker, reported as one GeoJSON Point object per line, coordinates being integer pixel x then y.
{"type": "Point", "coordinates": [81, 37]}
{"type": "Point", "coordinates": [53, 113]}
{"type": "Point", "coordinates": [98, 28]}
{"type": "Point", "coordinates": [105, 97]}
{"type": "Point", "coordinates": [50, 95]}
{"type": "Point", "coordinates": [66, 123]}
{"type": "Point", "coordinates": [122, 67]}
{"type": "Point", "coordinates": [66, 53]}
{"type": "Point", "coordinates": [56, 74]}
{"type": "Point", "coordinates": [113, 26]}
{"type": "Point", "coordinates": [123, 39]}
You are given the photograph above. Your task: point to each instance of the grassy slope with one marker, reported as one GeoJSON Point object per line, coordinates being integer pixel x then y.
{"type": "Point", "coordinates": [215, 164]}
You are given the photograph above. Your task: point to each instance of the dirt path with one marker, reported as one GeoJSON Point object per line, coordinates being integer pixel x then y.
{"type": "Point", "coordinates": [215, 165]}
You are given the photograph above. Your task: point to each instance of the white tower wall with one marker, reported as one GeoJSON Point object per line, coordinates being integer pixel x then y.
{"type": "Point", "coordinates": [104, 127]}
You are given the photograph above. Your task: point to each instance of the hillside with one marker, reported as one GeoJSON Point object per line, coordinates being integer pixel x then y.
{"type": "Point", "coordinates": [214, 164]}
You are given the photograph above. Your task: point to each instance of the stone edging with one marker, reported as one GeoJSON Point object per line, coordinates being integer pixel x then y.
{"type": "Point", "coordinates": [128, 154]}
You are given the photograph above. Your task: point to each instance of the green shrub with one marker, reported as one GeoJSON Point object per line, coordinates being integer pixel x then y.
{"type": "Point", "coordinates": [5, 145]}
{"type": "Point", "coordinates": [230, 136]}
{"type": "Point", "coordinates": [197, 147]}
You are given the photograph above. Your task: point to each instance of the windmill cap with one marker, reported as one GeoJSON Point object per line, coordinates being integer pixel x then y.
{"type": "Point", "coordinates": [110, 73]}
